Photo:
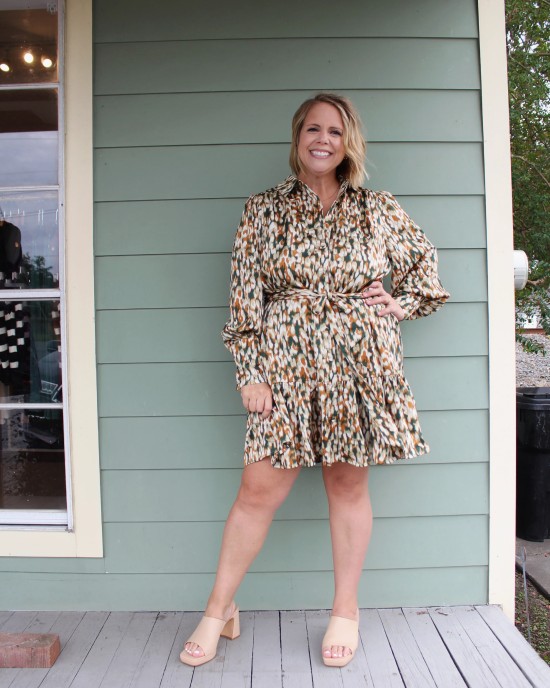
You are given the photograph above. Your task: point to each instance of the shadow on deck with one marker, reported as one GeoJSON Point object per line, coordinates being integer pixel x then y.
{"type": "Point", "coordinates": [416, 647]}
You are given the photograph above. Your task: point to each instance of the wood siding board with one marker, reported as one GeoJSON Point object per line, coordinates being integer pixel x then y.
{"type": "Point", "coordinates": [416, 542]}
{"type": "Point", "coordinates": [220, 65]}
{"type": "Point", "coordinates": [208, 225]}
{"type": "Point", "coordinates": [204, 388]}
{"type": "Point", "coordinates": [425, 490]}
{"type": "Point", "coordinates": [139, 21]}
{"type": "Point", "coordinates": [193, 334]}
{"type": "Point", "coordinates": [202, 280]}
{"type": "Point", "coordinates": [180, 172]}
{"type": "Point", "coordinates": [195, 442]}
{"type": "Point", "coordinates": [180, 119]}
{"type": "Point", "coordinates": [298, 590]}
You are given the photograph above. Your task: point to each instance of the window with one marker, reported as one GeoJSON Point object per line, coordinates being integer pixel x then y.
{"type": "Point", "coordinates": [34, 466]}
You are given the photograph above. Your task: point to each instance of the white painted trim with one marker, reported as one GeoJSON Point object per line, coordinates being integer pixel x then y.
{"type": "Point", "coordinates": [501, 300]}
{"type": "Point", "coordinates": [85, 539]}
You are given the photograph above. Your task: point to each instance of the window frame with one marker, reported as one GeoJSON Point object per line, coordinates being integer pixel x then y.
{"type": "Point", "coordinates": [82, 537]}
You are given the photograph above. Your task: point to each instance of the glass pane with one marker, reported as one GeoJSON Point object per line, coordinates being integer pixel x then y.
{"type": "Point", "coordinates": [28, 40]}
{"type": "Point", "coordinates": [30, 352]}
{"type": "Point", "coordinates": [33, 110]}
{"type": "Point", "coordinates": [29, 240]}
{"type": "Point", "coordinates": [29, 159]}
{"type": "Point", "coordinates": [32, 461]}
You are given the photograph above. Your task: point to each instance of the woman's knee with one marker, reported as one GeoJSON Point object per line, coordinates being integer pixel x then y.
{"type": "Point", "coordinates": [346, 481]}
{"type": "Point", "coordinates": [264, 487]}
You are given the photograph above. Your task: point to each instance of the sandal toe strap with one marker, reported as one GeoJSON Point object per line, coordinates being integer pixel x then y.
{"type": "Point", "coordinates": [342, 632]}
{"type": "Point", "coordinates": [207, 633]}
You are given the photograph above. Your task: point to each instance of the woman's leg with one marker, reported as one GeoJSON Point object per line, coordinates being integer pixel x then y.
{"type": "Point", "coordinates": [262, 491]}
{"type": "Point", "coordinates": [350, 514]}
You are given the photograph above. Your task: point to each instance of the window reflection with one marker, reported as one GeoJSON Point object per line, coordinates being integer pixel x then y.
{"type": "Point", "coordinates": [30, 219]}
{"type": "Point", "coordinates": [32, 468]}
{"type": "Point", "coordinates": [30, 352]}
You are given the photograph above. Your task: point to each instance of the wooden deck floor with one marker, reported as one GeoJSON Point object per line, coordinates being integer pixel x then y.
{"type": "Point", "coordinates": [413, 647]}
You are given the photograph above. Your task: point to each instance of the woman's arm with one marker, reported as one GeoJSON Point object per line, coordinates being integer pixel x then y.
{"type": "Point", "coordinates": [241, 333]}
{"type": "Point", "coordinates": [415, 281]}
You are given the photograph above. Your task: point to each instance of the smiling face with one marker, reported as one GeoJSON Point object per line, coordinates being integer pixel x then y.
{"type": "Point", "coordinates": [321, 142]}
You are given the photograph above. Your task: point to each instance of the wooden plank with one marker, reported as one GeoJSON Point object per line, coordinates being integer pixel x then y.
{"type": "Point", "coordinates": [209, 225]}
{"type": "Point", "coordinates": [412, 666]}
{"type": "Point", "coordinates": [160, 67]}
{"type": "Point", "coordinates": [152, 664]}
{"type": "Point", "coordinates": [193, 334]}
{"type": "Point", "coordinates": [123, 665]}
{"type": "Point", "coordinates": [277, 590]}
{"type": "Point", "coordinates": [423, 491]}
{"type": "Point", "coordinates": [75, 650]}
{"type": "Point", "coordinates": [176, 20]}
{"type": "Point", "coordinates": [237, 666]}
{"type": "Point", "coordinates": [177, 674]}
{"type": "Point", "coordinates": [434, 651]}
{"type": "Point", "coordinates": [64, 625]}
{"type": "Point", "coordinates": [418, 541]}
{"type": "Point", "coordinates": [470, 663]}
{"type": "Point", "coordinates": [488, 645]}
{"type": "Point", "coordinates": [192, 172]}
{"type": "Point", "coordinates": [175, 389]}
{"type": "Point", "coordinates": [156, 120]}
{"type": "Point", "coordinates": [382, 665]}
{"type": "Point", "coordinates": [530, 663]}
{"type": "Point", "coordinates": [203, 281]}
{"type": "Point", "coordinates": [96, 663]}
{"type": "Point", "coordinates": [267, 660]}
{"type": "Point", "coordinates": [4, 617]}
{"type": "Point", "coordinates": [295, 662]}
{"type": "Point", "coordinates": [217, 442]}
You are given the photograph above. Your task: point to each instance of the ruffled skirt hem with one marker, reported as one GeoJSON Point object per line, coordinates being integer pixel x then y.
{"type": "Point", "coordinates": [317, 423]}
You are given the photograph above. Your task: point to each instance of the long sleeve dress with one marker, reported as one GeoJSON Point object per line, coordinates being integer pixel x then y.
{"type": "Point", "coordinates": [297, 321]}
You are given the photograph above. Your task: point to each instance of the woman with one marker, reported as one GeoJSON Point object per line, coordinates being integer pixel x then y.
{"type": "Point", "coordinates": [319, 358]}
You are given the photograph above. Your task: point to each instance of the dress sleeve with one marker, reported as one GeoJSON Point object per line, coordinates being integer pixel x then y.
{"type": "Point", "coordinates": [241, 333]}
{"type": "Point", "coordinates": [415, 283]}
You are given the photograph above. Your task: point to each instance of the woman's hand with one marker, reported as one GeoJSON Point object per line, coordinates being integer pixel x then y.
{"type": "Point", "coordinates": [258, 398]}
{"type": "Point", "coordinates": [375, 293]}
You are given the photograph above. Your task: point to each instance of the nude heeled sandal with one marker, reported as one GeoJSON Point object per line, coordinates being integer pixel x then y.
{"type": "Point", "coordinates": [207, 635]}
{"type": "Point", "coordinates": [341, 632]}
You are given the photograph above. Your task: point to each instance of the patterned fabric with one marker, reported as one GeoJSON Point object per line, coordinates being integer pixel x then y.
{"type": "Point", "coordinates": [298, 322]}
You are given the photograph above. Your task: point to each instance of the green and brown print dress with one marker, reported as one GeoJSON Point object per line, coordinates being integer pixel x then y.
{"type": "Point", "coordinates": [297, 320]}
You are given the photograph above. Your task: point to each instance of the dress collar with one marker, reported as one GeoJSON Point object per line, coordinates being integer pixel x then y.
{"type": "Point", "coordinates": [286, 186]}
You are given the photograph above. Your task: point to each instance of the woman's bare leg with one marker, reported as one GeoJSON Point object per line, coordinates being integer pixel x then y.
{"type": "Point", "coordinates": [350, 514]}
{"type": "Point", "coordinates": [262, 491]}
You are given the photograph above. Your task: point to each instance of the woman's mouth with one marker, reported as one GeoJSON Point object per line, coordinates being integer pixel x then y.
{"type": "Point", "coordinates": [321, 154]}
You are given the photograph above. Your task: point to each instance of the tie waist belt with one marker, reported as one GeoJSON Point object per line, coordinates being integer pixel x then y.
{"type": "Point", "coordinates": [320, 298]}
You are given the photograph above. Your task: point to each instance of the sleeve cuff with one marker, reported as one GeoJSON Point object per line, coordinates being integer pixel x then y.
{"type": "Point", "coordinates": [409, 303]}
{"type": "Point", "coordinates": [249, 376]}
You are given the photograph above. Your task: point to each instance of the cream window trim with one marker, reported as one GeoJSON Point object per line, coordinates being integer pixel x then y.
{"type": "Point", "coordinates": [85, 538]}
{"type": "Point", "coordinates": [501, 304]}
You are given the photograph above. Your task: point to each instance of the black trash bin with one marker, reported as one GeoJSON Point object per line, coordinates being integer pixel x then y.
{"type": "Point", "coordinates": [533, 463]}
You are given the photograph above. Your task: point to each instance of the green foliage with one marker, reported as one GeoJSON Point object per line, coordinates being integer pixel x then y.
{"type": "Point", "coordinates": [528, 41]}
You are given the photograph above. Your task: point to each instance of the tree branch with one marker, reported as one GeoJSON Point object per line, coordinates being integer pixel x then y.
{"type": "Point", "coordinates": [520, 157]}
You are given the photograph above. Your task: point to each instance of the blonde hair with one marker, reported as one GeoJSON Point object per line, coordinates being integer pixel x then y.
{"type": "Point", "coordinates": [352, 167]}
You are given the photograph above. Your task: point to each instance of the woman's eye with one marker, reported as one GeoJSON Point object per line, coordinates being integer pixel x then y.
{"type": "Point", "coordinates": [337, 133]}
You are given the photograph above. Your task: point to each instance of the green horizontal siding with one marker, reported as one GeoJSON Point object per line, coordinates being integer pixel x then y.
{"type": "Point", "coordinates": [164, 389]}
{"type": "Point", "coordinates": [416, 542]}
{"type": "Point", "coordinates": [260, 65]}
{"type": "Point", "coordinates": [208, 225]}
{"type": "Point", "coordinates": [202, 281]}
{"type": "Point", "coordinates": [140, 20]}
{"type": "Point", "coordinates": [194, 334]}
{"type": "Point", "coordinates": [201, 118]}
{"type": "Point", "coordinates": [156, 173]}
{"type": "Point", "coordinates": [205, 442]}
{"type": "Point", "coordinates": [424, 490]}
{"type": "Point", "coordinates": [280, 590]}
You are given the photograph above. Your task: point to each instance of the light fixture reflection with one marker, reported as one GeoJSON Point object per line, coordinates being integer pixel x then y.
{"type": "Point", "coordinates": [4, 66]}
{"type": "Point", "coordinates": [28, 57]}
{"type": "Point", "coordinates": [47, 62]}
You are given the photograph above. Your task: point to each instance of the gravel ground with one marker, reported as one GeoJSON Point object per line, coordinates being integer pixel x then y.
{"type": "Point", "coordinates": [533, 370]}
